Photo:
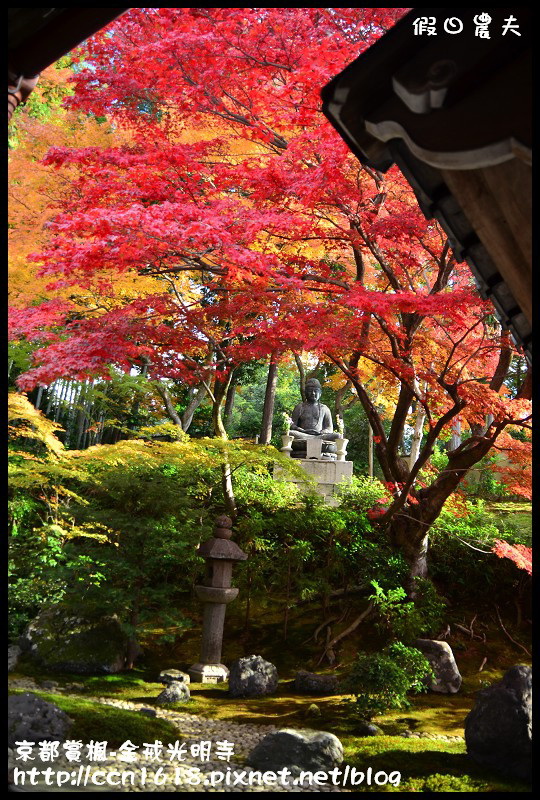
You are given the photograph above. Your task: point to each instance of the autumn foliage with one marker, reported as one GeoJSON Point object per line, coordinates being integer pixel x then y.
{"type": "Point", "coordinates": [518, 553]}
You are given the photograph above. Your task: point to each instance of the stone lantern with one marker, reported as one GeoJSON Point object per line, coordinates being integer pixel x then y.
{"type": "Point", "coordinates": [220, 554]}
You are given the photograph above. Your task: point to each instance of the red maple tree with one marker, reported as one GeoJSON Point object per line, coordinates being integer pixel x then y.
{"type": "Point", "coordinates": [264, 234]}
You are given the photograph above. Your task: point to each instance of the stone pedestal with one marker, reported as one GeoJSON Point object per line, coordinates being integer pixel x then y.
{"type": "Point", "coordinates": [209, 673]}
{"type": "Point", "coordinates": [328, 475]}
{"type": "Point", "coordinates": [314, 449]}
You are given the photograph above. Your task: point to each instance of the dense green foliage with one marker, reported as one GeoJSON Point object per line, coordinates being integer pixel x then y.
{"type": "Point", "coordinates": [114, 528]}
{"type": "Point", "coordinates": [404, 619]}
{"type": "Point", "coordinates": [380, 681]}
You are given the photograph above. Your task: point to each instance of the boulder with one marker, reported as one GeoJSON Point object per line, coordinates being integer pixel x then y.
{"type": "Point", "coordinates": [298, 750]}
{"type": "Point", "coordinates": [446, 676]}
{"type": "Point", "coordinates": [252, 676]}
{"type": "Point", "coordinates": [311, 683]}
{"type": "Point", "coordinates": [63, 642]}
{"type": "Point", "coordinates": [167, 676]}
{"type": "Point", "coordinates": [498, 730]}
{"type": "Point", "coordinates": [32, 719]}
{"type": "Point", "coordinates": [175, 692]}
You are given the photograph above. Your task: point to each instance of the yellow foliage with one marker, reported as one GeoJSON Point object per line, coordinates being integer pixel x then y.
{"type": "Point", "coordinates": [27, 425]}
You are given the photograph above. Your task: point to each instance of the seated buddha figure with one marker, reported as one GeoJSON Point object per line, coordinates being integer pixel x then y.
{"type": "Point", "coordinates": [311, 419]}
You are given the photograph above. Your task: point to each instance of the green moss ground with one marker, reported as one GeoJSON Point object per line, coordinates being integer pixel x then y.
{"type": "Point", "coordinates": [519, 514]}
{"type": "Point", "coordinates": [426, 765]}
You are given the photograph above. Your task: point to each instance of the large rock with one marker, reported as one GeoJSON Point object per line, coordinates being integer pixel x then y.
{"type": "Point", "coordinates": [62, 642]}
{"type": "Point", "coordinates": [446, 676]}
{"type": "Point", "coordinates": [32, 719]}
{"type": "Point", "coordinates": [311, 683]}
{"type": "Point", "coordinates": [175, 692]}
{"type": "Point", "coordinates": [297, 750]}
{"type": "Point", "coordinates": [498, 730]}
{"type": "Point", "coordinates": [252, 676]}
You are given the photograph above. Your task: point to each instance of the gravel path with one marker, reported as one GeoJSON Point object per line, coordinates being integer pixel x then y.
{"type": "Point", "coordinates": [191, 774]}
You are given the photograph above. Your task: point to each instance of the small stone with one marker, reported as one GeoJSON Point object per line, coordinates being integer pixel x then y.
{"type": "Point", "coordinates": [367, 729]}
{"type": "Point", "coordinates": [34, 719]}
{"type": "Point", "coordinates": [14, 651]}
{"type": "Point", "coordinates": [297, 750]}
{"type": "Point", "coordinates": [173, 675]}
{"type": "Point", "coordinates": [175, 692]}
{"type": "Point", "coordinates": [150, 712]}
{"type": "Point", "coordinates": [48, 684]}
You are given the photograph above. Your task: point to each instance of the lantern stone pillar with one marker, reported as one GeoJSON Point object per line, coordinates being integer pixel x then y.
{"type": "Point", "coordinates": [215, 592]}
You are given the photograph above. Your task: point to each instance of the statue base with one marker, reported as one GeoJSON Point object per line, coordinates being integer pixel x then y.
{"type": "Point", "coordinates": [208, 673]}
{"type": "Point", "coordinates": [328, 475]}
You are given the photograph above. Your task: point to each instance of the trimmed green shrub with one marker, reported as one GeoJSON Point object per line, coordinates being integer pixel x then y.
{"type": "Point", "coordinates": [380, 681]}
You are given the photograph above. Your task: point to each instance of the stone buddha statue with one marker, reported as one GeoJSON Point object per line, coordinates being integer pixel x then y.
{"type": "Point", "coordinates": [312, 420]}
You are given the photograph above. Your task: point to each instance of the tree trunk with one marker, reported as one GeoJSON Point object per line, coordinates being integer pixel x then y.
{"type": "Point", "coordinates": [60, 399]}
{"type": "Point", "coordinates": [218, 397]}
{"type": "Point", "coordinates": [229, 400]}
{"type": "Point", "coordinates": [133, 648]}
{"type": "Point", "coordinates": [302, 374]}
{"type": "Point", "coordinates": [416, 441]}
{"type": "Point", "coordinates": [39, 397]}
{"type": "Point", "coordinates": [269, 399]}
{"type": "Point", "coordinates": [82, 416]}
{"type": "Point", "coordinates": [409, 526]}
{"type": "Point", "coordinates": [370, 451]}
{"type": "Point", "coordinates": [455, 441]}
{"type": "Point", "coordinates": [338, 405]}
{"type": "Point", "coordinates": [196, 400]}
{"type": "Point", "coordinates": [51, 392]}
{"type": "Point", "coordinates": [164, 393]}
{"type": "Point", "coordinates": [414, 548]}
